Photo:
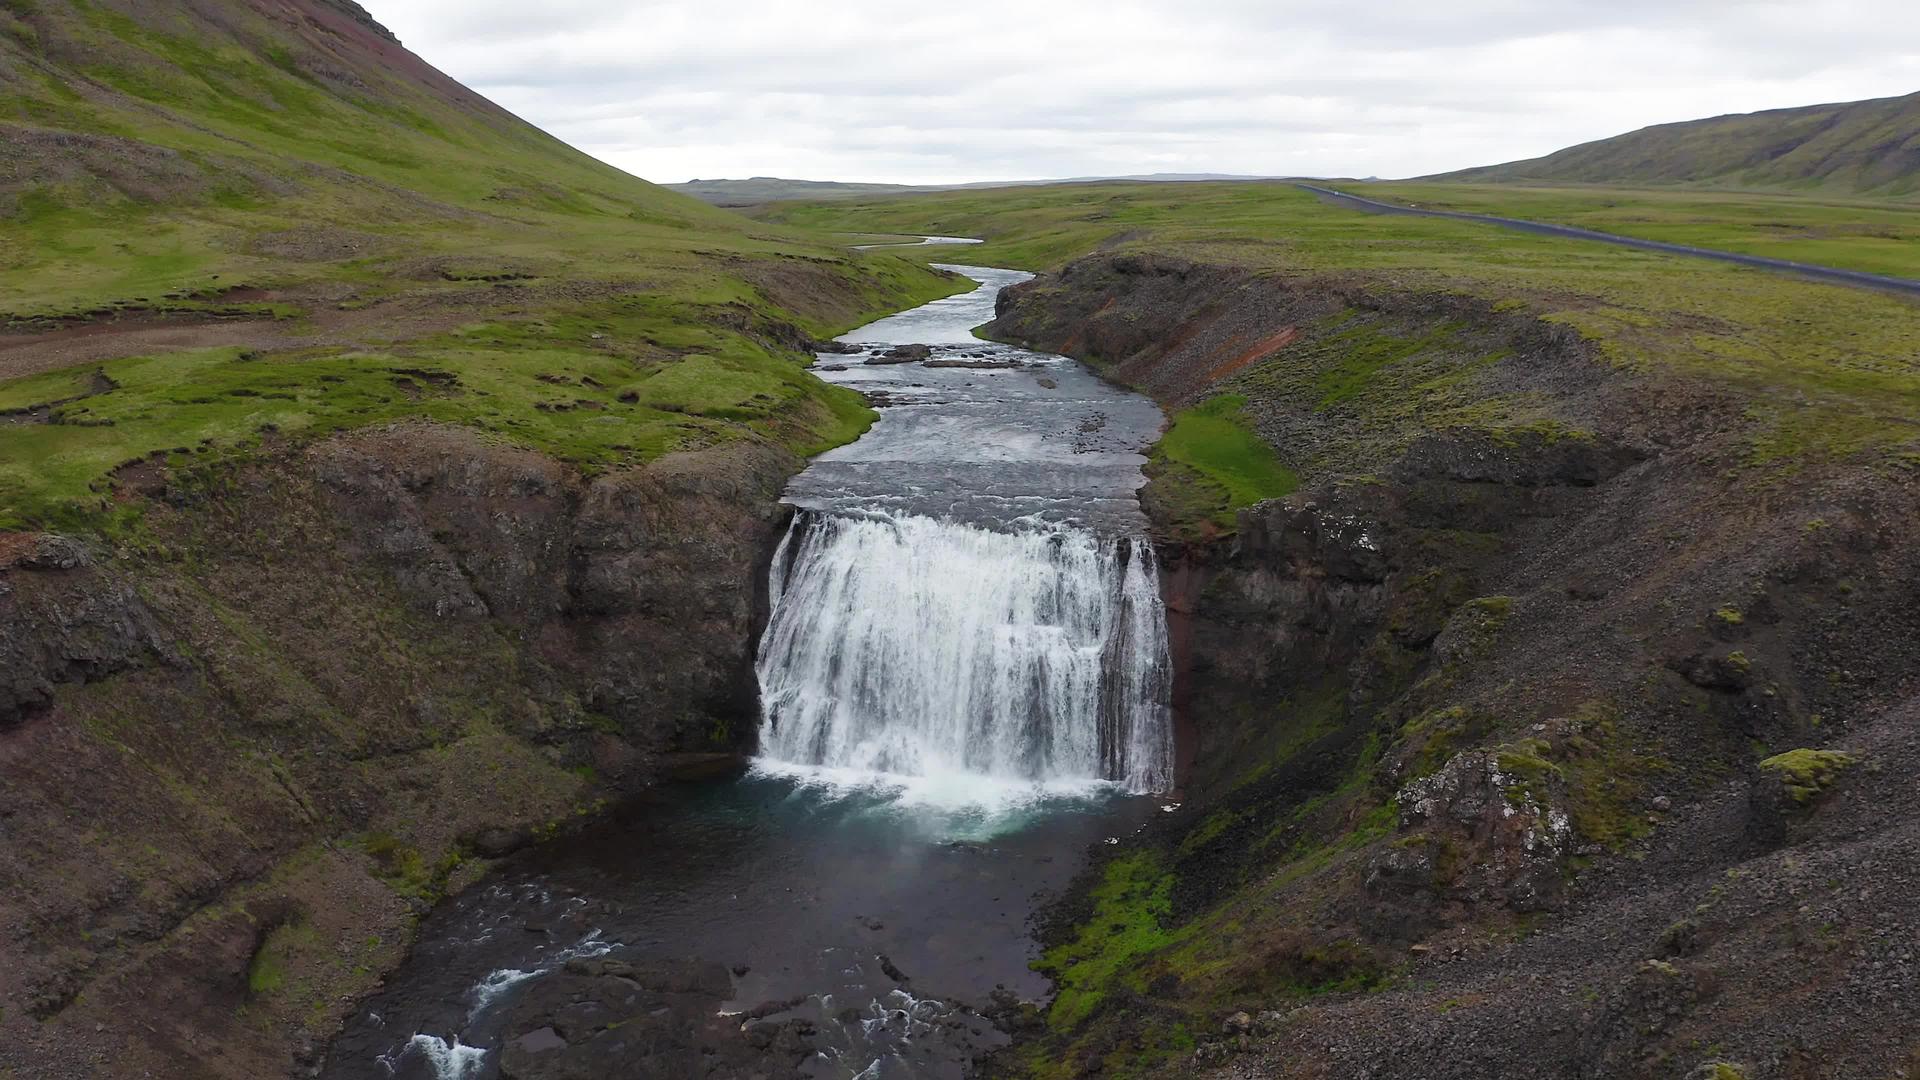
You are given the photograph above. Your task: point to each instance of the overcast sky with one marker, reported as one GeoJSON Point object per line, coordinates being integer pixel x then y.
{"type": "Point", "coordinates": [1023, 89]}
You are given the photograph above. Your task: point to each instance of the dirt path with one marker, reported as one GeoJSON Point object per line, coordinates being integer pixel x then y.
{"type": "Point", "coordinates": [32, 354]}
{"type": "Point", "coordinates": [398, 320]}
{"type": "Point", "coordinates": [1830, 274]}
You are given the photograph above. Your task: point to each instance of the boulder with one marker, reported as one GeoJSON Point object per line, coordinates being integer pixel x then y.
{"type": "Point", "coordinates": [1488, 826]}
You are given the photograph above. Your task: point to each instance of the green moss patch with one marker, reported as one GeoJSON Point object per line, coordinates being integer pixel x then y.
{"type": "Point", "coordinates": [1365, 352]}
{"type": "Point", "coordinates": [267, 972]}
{"type": "Point", "coordinates": [1130, 906]}
{"type": "Point", "coordinates": [1427, 741]}
{"type": "Point", "coordinates": [1807, 774]}
{"type": "Point", "coordinates": [1210, 463]}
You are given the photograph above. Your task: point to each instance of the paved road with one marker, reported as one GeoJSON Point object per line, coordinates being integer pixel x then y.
{"type": "Point", "coordinates": [1837, 276]}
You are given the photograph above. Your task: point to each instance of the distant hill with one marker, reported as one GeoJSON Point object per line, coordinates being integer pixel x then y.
{"type": "Point", "coordinates": [1860, 148]}
{"type": "Point", "coordinates": [122, 105]}
{"type": "Point", "coordinates": [765, 189]}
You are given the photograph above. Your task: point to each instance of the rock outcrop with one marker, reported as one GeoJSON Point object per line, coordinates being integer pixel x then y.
{"type": "Point", "coordinates": [315, 695]}
{"type": "Point", "coordinates": [1478, 704]}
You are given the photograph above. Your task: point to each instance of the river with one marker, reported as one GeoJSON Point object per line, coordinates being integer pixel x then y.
{"type": "Point", "coordinates": [964, 684]}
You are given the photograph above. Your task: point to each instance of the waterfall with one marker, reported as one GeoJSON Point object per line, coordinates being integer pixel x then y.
{"type": "Point", "coordinates": [909, 646]}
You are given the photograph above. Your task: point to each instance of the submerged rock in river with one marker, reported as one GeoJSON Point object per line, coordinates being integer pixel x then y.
{"type": "Point", "coordinates": [901, 354]}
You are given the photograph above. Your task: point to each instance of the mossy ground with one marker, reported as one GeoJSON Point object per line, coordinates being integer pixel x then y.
{"type": "Point", "coordinates": [1807, 774]}
{"type": "Point", "coordinates": [611, 384]}
{"type": "Point", "coordinates": [1210, 464]}
{"type": "Point", "coordinates": [1130, 908]}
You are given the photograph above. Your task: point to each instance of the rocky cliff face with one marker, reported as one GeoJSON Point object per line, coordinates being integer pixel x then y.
{"type": "Point", "coordinates": [1482, 716]}
{"type": "Point", "coordinates": [246, 749]}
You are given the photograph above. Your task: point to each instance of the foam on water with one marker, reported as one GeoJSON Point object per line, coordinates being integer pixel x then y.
{"type": "Point", "coordinates": [450, 1061]}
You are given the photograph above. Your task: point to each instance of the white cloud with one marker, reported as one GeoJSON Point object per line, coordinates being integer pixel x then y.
{"type": "Point", "coordinates": [1011, 89]}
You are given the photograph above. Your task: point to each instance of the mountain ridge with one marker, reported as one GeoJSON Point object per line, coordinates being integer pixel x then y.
{"type": "Point", "coordinates": [756, 190]}
{"type": "Point", "coordinates": [1869, 147]}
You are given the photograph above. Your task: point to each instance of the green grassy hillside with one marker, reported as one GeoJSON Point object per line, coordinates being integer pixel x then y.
{"type": "Point", "coordinates": [219, 222]}
{"type": "Point", "coordinates": [1854, 148]}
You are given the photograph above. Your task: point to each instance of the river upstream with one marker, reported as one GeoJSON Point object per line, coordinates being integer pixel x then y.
{"type": "Point", "coordinates": [964, 687]}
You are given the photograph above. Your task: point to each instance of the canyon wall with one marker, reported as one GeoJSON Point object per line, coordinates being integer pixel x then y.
{"type": "Point", "coordinates": [248, 744]}
{"type": "Point", "coordinates": [1533, 669]}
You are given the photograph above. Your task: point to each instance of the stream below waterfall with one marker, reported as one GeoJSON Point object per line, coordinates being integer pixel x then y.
{"type": "Point", "coordinates": [964, 686]}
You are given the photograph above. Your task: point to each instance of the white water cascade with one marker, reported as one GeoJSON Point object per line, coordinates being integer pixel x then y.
{"type": "Point", "coordinates": [905, 646]}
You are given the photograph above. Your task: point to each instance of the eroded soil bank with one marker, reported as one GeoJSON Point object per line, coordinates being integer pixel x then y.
{"type": "Point", "coordinates": [1547, 730]}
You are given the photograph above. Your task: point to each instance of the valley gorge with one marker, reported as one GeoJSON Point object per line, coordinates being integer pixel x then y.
{"type": "Point", "coordinates": [470, 613]}
{"type": "Point", "coordinates": [1339, 658]}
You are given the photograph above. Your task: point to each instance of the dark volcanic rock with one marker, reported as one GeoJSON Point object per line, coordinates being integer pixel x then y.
{"type": "Point", "coordinates": [1488, 707]}
{"type": "Point", "coordinates": [496, 842]}
{"type": "Point", "coordinates": [584, 570]}
{"type": "Point", "coordinates": [605, 1019]}
{"type": "Point", "coordinates": [64, 621]}
{"type": "Point", "coordinates": [408, 632]}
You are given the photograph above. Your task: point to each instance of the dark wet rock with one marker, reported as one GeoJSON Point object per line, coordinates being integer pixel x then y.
{"type": "Point", "coordinates": [901, 354]}
{"type": "Point", "coordinates": [694, 766]}
{"type": "Point", "coordinates": [1006, 1011]}
{"type": "Point", "coordinates": [540, 1040]}
{"type": "Point", "coordinates": [496, 842]}
{"type": "Point", "coordinates": [306, 1049]}
{"type": "Point", "coordinates": [1488, 826]}
{"type": "Point", "coordinates": [64, 621]}
{"type": "Point", "coordinates": [772, 1008]}
{"type": "Point", "coordinates": [1727, 673]}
